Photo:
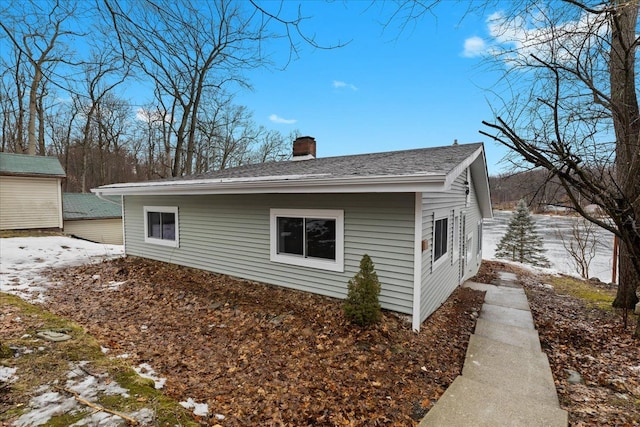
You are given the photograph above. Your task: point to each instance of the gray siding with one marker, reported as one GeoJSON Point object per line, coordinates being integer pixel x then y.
{"type": "Point", "coordinates": [474, 216]}
{"type": "Point", "coordinates": [439, 281]}
{"type": "Point", "coordinates": [229, 234]}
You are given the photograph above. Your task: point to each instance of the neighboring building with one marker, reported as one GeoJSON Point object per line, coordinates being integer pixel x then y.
{"type": "Point", "coordinates": [30, 192]}
{"type": "Point", "coordinates": [91, 218]}
{"type": "Point", "coordinates": [305, 223]}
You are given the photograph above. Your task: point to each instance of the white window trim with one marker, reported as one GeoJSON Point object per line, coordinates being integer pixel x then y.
{"type": "Point", "coordinates": [163, 242]}
{"type": "Point", "coordinates": [445, 256]}
{"type": "Point", "coordinates": [337, 215]}
{"type": "Point", "coordinates": [469, 249]}
{"type": "Point", "coordinates": [455, 250]}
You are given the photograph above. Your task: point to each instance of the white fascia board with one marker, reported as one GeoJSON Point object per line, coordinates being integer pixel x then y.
{"type": "Point", "coordinates": [480, 176]}
{"type": "Point", "coordinates": [373, 184]}
{"type": "Point", "coordinates": [455, 172]}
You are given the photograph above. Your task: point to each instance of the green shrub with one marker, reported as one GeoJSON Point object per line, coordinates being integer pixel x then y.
{"type": "Point", "coordinates": [362, 306]}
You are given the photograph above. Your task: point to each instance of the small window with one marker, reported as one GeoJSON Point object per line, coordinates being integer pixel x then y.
{"type": "Point", "coordinates": [479, 236]}
{"type": "Point", "coordinates": [440, 234]}
{"type": "Point", "coordinates": [161, 225]}
{"type": "Point", "coordinates": [306, 237]}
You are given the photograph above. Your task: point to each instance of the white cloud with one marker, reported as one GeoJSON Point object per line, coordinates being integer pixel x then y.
{"type": "Point", "coordinates": [277, 119]}
{"type": "Point", "coordinates": [474, 46]}
{"type": "Point", "coordinates": [340, 84]}
{"type": "Point", "coordinates": [149, 116]}
{"type": "Point", "coordinates": [515, 40]}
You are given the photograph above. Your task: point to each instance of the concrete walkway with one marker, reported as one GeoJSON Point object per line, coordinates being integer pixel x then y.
{"type": "Point", "coordinates": [506, 379]}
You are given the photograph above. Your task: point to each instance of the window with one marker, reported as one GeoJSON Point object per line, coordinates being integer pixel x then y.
{"type": "Point", "coordinates": [440, 235]}
{"type": "Point", "coordinates": [161, 225]}
{"type": "Point", "coordinates": [479, 236]}
{"type": "Point", "coordinates": [308, 237]}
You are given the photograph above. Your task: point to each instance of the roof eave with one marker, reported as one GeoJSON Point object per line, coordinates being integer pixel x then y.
{"type": "Point", "coordinates": [394, 184]}
{"type": "Point", "coordinates": [32, 175]}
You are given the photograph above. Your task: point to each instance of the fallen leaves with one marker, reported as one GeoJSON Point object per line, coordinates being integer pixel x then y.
{"type": "Point", "coordinates": [264, 355]}
{"type": "Point", "coordinates": [591, 341]}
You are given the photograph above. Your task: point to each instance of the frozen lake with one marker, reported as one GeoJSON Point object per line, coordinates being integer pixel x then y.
{"type": "Point", "coordinates": [548, 227]}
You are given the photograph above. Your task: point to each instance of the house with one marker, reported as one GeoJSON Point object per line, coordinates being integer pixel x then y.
{"type": "Point", "coordinates": [305, 223]}
{"type": "Point", "coordinates": [30, 192]}
{"type": "Point", "coordinates": [88, 217]}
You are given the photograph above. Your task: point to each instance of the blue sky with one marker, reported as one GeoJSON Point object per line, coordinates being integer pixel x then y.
{"type": "Point", "coordinates": [385, 90]}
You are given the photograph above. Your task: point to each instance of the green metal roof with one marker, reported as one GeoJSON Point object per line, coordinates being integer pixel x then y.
{"type": "Point", "coordinates": [23, 164]}
{"type": "Point", "coordinates": [89, 206]}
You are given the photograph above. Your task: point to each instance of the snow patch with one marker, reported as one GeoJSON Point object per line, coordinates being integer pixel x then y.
{"type": "Point", "coordinates": [44, 407]}
{"type": "Point", "coordinates": [8, 374]}
{"type": "Point", "coordinates": [146, 371]}
{"type": "Point", "coordinates": [47, 404]}
{"type": "Point", "coordinates": [199, 409]}
{"type": "Point", "coordinates": [24, 259]}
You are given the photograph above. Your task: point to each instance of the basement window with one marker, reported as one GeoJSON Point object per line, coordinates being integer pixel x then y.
{"type": "Point", "coordinates": [308, 238]}
{"type": "Point", "coordinates": [161, 225]}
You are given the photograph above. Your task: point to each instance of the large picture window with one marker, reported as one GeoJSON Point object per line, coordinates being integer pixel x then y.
{"type": "Point", "coordinates": [161, 225]}
{"type": "Point", "coordinates": [307, 237]}
{"type": "Point", "coordinates": [440, 234]}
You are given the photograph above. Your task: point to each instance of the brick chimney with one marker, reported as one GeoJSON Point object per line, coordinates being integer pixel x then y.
{"type": "Point", "coordinates": [304, 148]}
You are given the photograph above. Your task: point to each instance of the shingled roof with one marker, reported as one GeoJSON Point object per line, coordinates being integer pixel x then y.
{"type": "Point", "coordinates": [28, 165]}
{"type": "Point", "coordinates": [427, 169]}
{"type": "Point", "coordinates": [427, 161]}
{"type": "Point", "coordinates": [89, 206]}
{"type": "Point", "coordinates": [426, 165]}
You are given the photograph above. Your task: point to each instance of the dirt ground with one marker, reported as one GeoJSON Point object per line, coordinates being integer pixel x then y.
{"type": "Point", "coordinates": [263, 355]}
{"type": "Point", "coordinates": [586, 336]}
{"type": "Point", "coordinates": [594, 343]}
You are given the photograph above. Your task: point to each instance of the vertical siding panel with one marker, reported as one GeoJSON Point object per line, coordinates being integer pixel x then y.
{"type": "Point", "coordinates": [230, 234]}
{"type": "Point", "coordinates": [30, 202]}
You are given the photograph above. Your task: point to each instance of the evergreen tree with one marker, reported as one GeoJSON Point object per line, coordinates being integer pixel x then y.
{"type": "Point", "coordinates": [362, 306]}
{"type": "Point", "coordinates": [521, 242]}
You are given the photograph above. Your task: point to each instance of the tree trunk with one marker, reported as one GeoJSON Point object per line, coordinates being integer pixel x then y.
{"type": "Point", "coordinates": [626, 122]}
{"type": "Point", "coordinates": [41, 146]}
{"type": "Point", "coordinates": [626, 295]}
{"type": "Point", "coordinates": [33, 107]}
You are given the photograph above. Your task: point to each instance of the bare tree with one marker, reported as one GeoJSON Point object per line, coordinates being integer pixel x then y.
{"type": "Point", "coordinates": [187, 49]}
{"type": "Point", "coordinates": [570, 106]}
{"type": "Point", "coordinates": [38, 30]}
{"type": "Point", "coordinates": [102, 73]}
{"type": "Point", "coordinates": [581, 245]}
{"type": "Point", "coordinates": [273, 146]}
{"type": "Point", "coordinates": [62, 124]}
{"type": "Point", "coordinates": [580, 120]}
{"type": "Point", "coordinates": [12, 100]}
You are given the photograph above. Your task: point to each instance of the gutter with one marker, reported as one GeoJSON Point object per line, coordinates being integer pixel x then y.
{"type": "Point", "coordinates": [101, 197]}
{"type": "Point", "coordinates": [401, 183]}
